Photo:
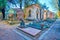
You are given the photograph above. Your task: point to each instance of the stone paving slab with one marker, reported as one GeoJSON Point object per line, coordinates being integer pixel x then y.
{"type": "Point", "coordinates": [53, 33]}
{"type": "Point", "coordinates": [30, 31]}
{"type": "Point", "coordinates": [6, 33]}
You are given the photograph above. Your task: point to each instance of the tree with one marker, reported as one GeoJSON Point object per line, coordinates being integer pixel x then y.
{"type": "Point", "coordinates": [58, 8]}
{"type": "Point", "coordinates": [2, 3]}
{"type": "Point", "coordinates": [59, 4]}
{"type": "Point", "coordinates": [20, 4]}
{"type": "Point", "coordinates": [30, 2]}
{"type": "Point", "coordinates": [44, 6]}
{"type": "Point", "coordinates": [54, 4]}
{"type": "Point", "coordinates": [2, 7]}
{"type": "Point", "coordinates": [27, 3]}
{"type": "Point", "coordinates": [14, 2]}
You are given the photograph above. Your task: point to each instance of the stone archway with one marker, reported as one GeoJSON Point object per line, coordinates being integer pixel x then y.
{"type": "Point", "coordinates": [29, 13]}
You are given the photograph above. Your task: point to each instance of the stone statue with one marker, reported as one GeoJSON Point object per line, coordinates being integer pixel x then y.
{"type": "Point", "coordinates": [22, 23]}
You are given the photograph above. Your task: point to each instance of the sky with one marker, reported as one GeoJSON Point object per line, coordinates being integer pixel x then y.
{"type": "Point", "coordinates": [48, 4]}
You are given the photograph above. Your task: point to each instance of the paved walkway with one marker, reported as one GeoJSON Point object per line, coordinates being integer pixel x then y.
{"type": "Point", "coordinates": [53, 33]}
{"type": "Point", "coordinates": [7, 33]}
